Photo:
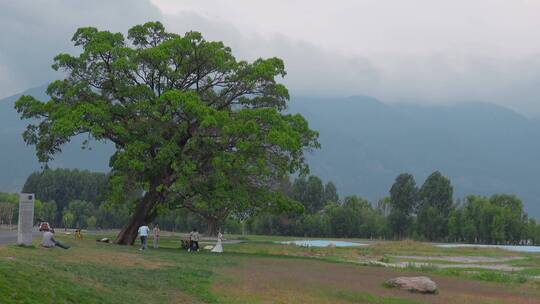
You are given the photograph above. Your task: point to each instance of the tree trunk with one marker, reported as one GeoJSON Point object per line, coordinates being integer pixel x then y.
{"type": "Point", "coordinates": [143, 215]}
{"type": "Point", "coordinates": [211, 228]}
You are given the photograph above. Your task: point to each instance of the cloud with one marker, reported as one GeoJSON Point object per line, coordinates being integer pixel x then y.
{"type": "Point", "coordinates": [311, 70]}
{"type": "Point", "coordinates": [513, 82]}
{"type": "Point", "coordinates": [438, 77]}
{"type": "Point", "coordinates": [414, 51]}
{"type": "Point", "coordinates": [33, 32]}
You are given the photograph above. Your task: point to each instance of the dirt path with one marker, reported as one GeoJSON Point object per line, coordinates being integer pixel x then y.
{"type": "Point", "coordinates": [268, 280]}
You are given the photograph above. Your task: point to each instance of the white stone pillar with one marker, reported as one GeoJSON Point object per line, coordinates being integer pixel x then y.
{"type": "Point", "coordinates": [26, 219]}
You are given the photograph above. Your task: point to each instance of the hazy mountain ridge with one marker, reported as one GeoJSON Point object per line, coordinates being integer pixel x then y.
{"type": "Point", "coordinates": [483, 148]}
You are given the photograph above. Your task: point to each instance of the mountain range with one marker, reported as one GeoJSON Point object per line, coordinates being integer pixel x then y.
{"type": "Point", "coordinates": [483, 148]}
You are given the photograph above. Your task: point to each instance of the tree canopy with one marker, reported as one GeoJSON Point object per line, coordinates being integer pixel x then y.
{"type": "Point", "coordinates": [190, 123]}
{"type": "Point", "coordinates": [310, 192]}
{"type": "Point", "coordinates": [403, 199]}
{"type": "Point", "coordinates": [435, 203]}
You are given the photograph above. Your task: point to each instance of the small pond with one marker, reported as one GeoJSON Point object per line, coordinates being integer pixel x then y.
{"type": "Point", "coordinates": [322, 243]}
{"type": "Point", "coordinates": [530, 249]}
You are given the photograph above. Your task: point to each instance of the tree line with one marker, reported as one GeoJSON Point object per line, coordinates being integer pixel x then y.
{"type": "Point", "coordinates": [71, 198]}
{"type": "Point", "coordinates": [80, 199]}
{"type": "Point", "coordinates": [428, 213]}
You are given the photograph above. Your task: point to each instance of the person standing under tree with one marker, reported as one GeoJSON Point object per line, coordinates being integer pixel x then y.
{"type": "Point", "coordinates": [143, 233]}
{"type": "Point", "coordinates": [193, 240]}
{"type": "Point", "coordinates": [157, 231]}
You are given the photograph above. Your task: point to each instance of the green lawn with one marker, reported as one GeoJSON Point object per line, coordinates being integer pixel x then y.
{"type": "Point", "coordinates": [92, 272]}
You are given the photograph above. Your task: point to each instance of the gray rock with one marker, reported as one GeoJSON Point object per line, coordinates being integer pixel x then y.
{"type": "Point", "coordinates": [414, 284]}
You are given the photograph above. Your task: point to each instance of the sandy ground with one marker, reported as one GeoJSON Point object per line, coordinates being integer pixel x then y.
{"type": "Point", "coordinates": [268, 280]}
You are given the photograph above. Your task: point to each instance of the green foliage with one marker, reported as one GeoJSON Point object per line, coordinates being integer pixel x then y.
{"type": "Point", "coordinates": [49, 212]}
{"type": "Point", "coordinates": [9, 208]}
{"type": "Point", "coordinates": [110, 215]}
{"type": "Point", "coordinates": [330, 193]}
{"type": "Point", "coordinates": [9, 198]}
{"type": "Point", "coordinates": [311, 193]}
{"type": "Point", "coordinates": [355, 217]}
{"type": "Point", "coordinates": [403, 199]}
{"type": "Point", "coordinates": [65, 185]}
{"type": "Point", "coordinates": [435, 204]}
{"type": "Point", "coordinates": [499, 219]}
{"type": "Point", "coordinates": [91, 222]}
{"type": "Point", "coordinates": [68, 219]}
{"type": "Point", "coordinates": [81, 211]}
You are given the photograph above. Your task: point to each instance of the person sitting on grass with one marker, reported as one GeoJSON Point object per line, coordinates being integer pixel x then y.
{"type": "Point", "coordinates": [49, 241]}
{"type": "Point", "coordinates": [194, 240]}
{"type": "Point", "coordinates": [143, 233]}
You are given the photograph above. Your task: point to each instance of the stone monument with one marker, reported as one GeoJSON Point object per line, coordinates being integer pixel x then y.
{"type": "Point", "coordinates": [26, 219]}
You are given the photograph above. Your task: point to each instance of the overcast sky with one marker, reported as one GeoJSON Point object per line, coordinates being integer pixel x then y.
{"type": "Point", "coordinates": [419, 51]}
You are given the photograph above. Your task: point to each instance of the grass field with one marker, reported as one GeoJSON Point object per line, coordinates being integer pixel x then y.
{"type": "Point", "coordinates": [254, 271]}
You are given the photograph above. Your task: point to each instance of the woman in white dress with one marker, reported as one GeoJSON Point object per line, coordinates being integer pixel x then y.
{"type": "Point", "coordinates": [219, 246]}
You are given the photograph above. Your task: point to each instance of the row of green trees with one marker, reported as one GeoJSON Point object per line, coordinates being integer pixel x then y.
{"type": "Point", "coordinates": [63, 188]}
{"type": "Point", "coordinates": [80, 199]}
{"type": "Point", "coordinates": [76, 214]}
{"type": "Point", "coordinates": [430, 213]}
{"type": "Point", "coordinates": [73, 198]}
{"type": "Point", "coordinates": [427, 213]}
{"type": "Point", "coordinates": [9, 209]}
{"type": "Point", "coordinates": [353, 217]}
{"type": "Point", "coordinates": [498, 219]}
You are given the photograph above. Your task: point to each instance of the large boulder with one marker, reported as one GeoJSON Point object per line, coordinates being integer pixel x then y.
{"type": "Point", "coordinates": [414, 284]}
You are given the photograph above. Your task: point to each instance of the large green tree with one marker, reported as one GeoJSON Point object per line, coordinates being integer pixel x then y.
{"type": "Point", "coordinates": [435, 200]}
{"type": "Point", "coordinates": [310, 192]}
{"type": "Point", "coordinates": [403, 200]}
{"type": "Point", "coordinates": [184, 114]}
{"type": "Point", "coordinates": [330, 193]}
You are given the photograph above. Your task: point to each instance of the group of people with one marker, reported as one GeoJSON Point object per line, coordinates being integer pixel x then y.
{"type": "Point", "coordinates": [143, 234]}
{"type": "Point", "coordinates": [192, 244]}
